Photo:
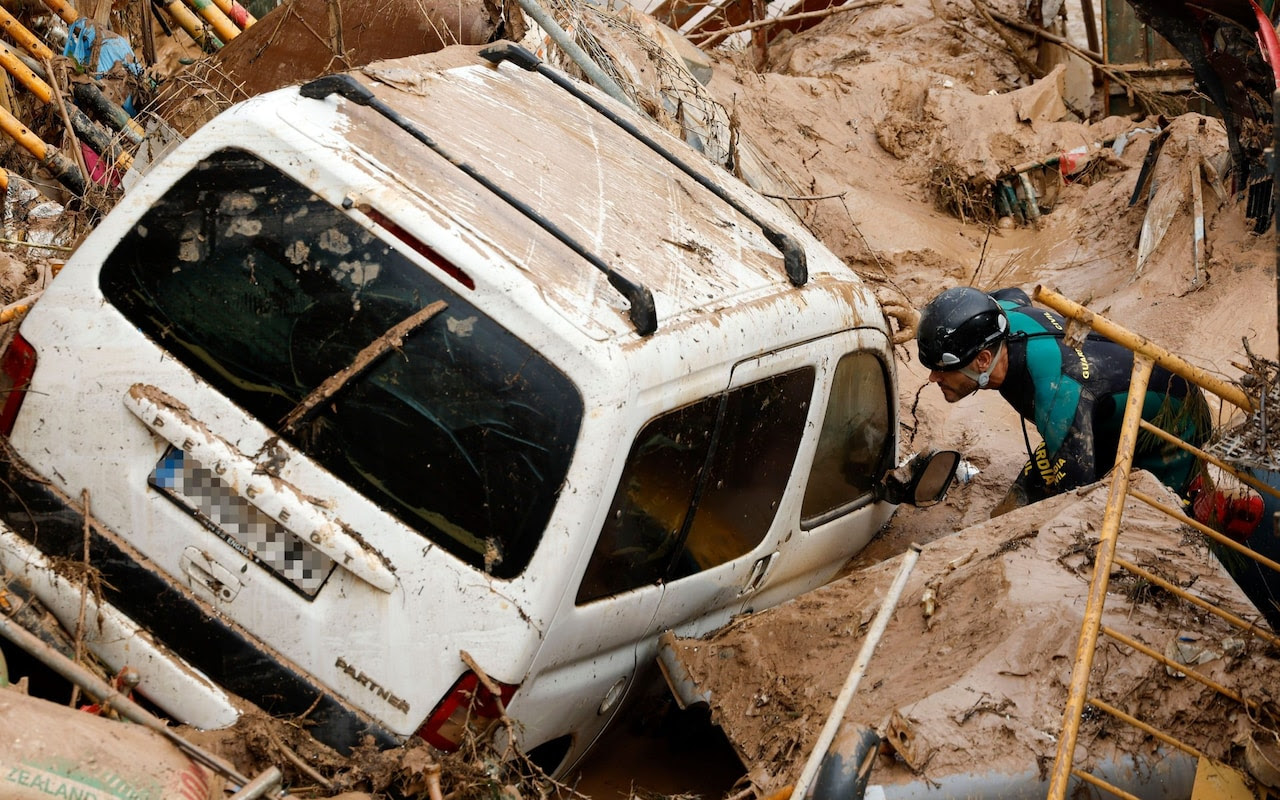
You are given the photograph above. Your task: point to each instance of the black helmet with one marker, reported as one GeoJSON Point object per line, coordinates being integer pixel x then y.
{"type": "Point", "coordinates": [956, 326]}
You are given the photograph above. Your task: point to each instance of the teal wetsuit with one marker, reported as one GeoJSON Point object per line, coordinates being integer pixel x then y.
{"type": "Point", "coordinates": [1076, 397]}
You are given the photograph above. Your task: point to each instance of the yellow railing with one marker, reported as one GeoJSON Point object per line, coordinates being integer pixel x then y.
{"type": "Point", "coordinates": [1146, 356]}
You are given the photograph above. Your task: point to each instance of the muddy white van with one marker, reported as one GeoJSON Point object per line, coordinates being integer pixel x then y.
{"type": "Point", "coordinates": [402, 386]}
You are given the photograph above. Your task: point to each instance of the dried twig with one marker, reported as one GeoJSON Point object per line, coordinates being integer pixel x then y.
{"type": "Point", "coordinates": [1015, 49]}
{"type": "Point", "coordinates": [835, 196]}
{"type": "Point", "coordinates": [337, 43]}
{"type": "Point", "coordinates": [66, 119]}
{"type": "Point", "coordinates": [1150, 100]}
{"type": "Point", "coordinates": [298, 761]}
{"type": "Point", "coordinates": [363, 360]}
{"type": "Point", "coordinates": [1041, 33]}
{"type": "Point", "coordinates": [84, 598]}
{"type": "Point", "coordinates": [702, 37]}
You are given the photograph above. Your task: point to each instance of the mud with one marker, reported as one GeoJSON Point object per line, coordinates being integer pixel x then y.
{"type": "Point", "coordinates": [972, 671]}
{"type": "Point", "coordinates": [893, 120]}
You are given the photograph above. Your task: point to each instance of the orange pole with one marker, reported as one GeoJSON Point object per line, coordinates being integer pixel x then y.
{"type": "Point", "coordinates": [223, 27]}
{"type": "Point", "coordinates": [63, 9]}
{"type": "Point", "coordinates": [236, 12]}
{"type": "Point", "coordinates": [1141, 344]}
{"type": "Point", "coordinates": [26, 76]}
{"type": "Point", "coordinates": [1097, 598]}
{"type": "Point", "coordinates": [25, 38]}
{"type": "Point", "coordinates": [14, 129]}
{"type": "Point", "coordinates": [189, 22]}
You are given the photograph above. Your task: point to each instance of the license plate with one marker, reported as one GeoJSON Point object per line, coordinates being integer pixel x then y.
{"type": "Point", "coordinates": [239, 523]}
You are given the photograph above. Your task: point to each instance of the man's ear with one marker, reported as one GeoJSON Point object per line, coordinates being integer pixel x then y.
{"type": "Point", "coordinates": [982, 360]}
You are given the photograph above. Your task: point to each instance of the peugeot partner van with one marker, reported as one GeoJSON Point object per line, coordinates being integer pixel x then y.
{"type": "Point", "coordinates": [415, 396]}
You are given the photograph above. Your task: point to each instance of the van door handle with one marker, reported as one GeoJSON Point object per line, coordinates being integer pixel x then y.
{"type": "Point", "coordinates": [759, 571]}
{"type": "Point", "coordinates": [170, 420]}
{"type": "Point", "coordinates": [206, 574]}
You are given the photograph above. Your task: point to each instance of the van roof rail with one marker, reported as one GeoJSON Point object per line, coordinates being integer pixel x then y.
{"type": "Point", "coordinates": [793, 255]}
{"type": "Point", "coordinates": [643, 314]}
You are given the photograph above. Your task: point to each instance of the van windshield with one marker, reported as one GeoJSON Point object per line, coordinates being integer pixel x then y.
{"type": "Point", "coordinates": [264, 290]}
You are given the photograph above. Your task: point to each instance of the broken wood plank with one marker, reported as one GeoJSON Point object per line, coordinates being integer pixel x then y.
{"type": "Point", "coordinates": [363, 360]}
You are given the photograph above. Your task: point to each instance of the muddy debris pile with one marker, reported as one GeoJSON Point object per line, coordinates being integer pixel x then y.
{"type": "Point", "coordinates": [968, 683]}
{"type": "Point", "coordinates": [925, 149]}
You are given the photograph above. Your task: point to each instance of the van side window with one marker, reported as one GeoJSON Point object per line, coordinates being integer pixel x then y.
{"type": "Point", "coordinates": [701, 485]}
{"type": "Point", "coordinates": [852, 451]}
{"type": "Point", "coordinates": [264, 290]}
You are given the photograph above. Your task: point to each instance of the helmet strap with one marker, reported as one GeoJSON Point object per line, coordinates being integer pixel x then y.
{"type": "Point", "coordinates": [984, 377]}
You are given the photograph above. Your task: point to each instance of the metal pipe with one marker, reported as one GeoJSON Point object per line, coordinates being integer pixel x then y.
{"type": "Point", "coordinates": [223, 27]}
{"type": "Point", "coordinates": [25, 75]}
{"type": "Point", "coordinates": [87, 94]}
{"type": "Point", "coordinates": [1104, 786]}
{"type": "Point", "coordinates": [108, 696]}
{"type": "Point", "coordinates": [1140, 725]}
{"type": "Point", "coordinates": [25, 38]}
{"type": "Point", "coordinates": [1178, 667]}
{"type": "Point", "coordinates": [63, 9]}
{"type": "Point", "coordinates": [1087, 644]}
{"type": "Point", "coordinates": [66, 172]}
{"type": "Point", "coordinates": [836, 718]}
{"type": "Point", "coordinates": [1140, 344]}
{"type": "Point", "coordinates": [1243, 477]}
{"type": "Point", "coordinates": [260, 786]}
{"type": "Point", "coordinates": [1197, 231]}
{"type": "Point", "coordinates": [579, 56]}
{"type": "Point", "coordinates": [1206, 530]}
{"type": "Point", "coordinates": [236, 13]}
{"type": "Point", "coordinates": [186, 19]}
{"type": "Point", "coordinates": [1178, 591]}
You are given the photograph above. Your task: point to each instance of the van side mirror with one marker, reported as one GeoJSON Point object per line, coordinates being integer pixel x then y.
{"type": "Point", "coordinates": [922, 481]}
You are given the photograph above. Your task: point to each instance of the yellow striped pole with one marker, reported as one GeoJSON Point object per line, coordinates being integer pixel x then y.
{"type": "Point", "coordinates": [186, 19]}
{"type": "Point", "coordinates": [236, 13]}
{"type": "Point", "coordinates": [223, 27]}
{"type": "Point", "coordinates": [63, 9]}
{"type": "Point", "coordinates": [25, 38]}
{"type": "Point", "coordinates": [66, 172]}
{"type": "Point", "coordinates": [1140, 344]}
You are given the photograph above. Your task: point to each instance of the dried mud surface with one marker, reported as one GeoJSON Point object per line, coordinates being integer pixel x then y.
{"type": "Point", "coordinates": [971, 674]}
{"type": "Point", "coordinates": [899, 116]}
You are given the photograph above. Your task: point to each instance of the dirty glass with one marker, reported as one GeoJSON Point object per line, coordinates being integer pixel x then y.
{"type": "Point", "coordinates": [852, 452]}
{"type": "Point", "coordinates": [264, 290]}
{"type": "Point", "coordinates": [701, 485]}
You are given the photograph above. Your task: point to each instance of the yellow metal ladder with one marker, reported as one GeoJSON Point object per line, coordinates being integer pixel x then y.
{"type": "Point", "coordinates": [1146, 356]}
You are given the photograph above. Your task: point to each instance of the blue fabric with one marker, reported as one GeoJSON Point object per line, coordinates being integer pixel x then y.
{"type": "Point", "coordinates": [114, 49]}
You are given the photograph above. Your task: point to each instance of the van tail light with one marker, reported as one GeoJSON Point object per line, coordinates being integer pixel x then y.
{"type": "Point", "coordinates": [468, 706]}
{"type": "Point", "coordinates": [16, 368]}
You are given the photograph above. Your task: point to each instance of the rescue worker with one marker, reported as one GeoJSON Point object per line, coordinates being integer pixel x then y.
{"type": "Point", "coordinates": [1075, 396]}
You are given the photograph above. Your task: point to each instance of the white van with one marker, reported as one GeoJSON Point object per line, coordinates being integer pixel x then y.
{"type": "Point", "coordinates": [416, 381]}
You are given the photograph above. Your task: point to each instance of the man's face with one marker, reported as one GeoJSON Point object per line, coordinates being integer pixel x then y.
{"type": "Point", "coordinates": [955, 386]}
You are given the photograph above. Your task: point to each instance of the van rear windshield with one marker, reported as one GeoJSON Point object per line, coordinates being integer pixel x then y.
{"type": "Point", "coordinates": [264, 290]}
